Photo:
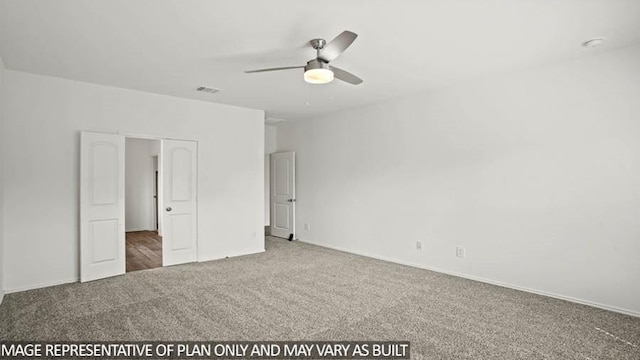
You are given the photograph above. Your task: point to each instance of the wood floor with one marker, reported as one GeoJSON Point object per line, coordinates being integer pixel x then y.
{"type": "Point", "coordinates": [144, 250]}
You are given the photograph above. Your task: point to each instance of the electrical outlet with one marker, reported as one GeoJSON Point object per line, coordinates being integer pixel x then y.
{"type": "Point", "coordinates": [307, 227]}
{"type": "Point", "coordinates": [460, 251]}
{"type": "Point", "coordinates": [419, 245]}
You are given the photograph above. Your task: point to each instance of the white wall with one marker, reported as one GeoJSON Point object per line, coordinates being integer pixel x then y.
{"type": "Point", "coordinates": [2, 106]}
{"type": "Point", "coordinates": [44, 116]}
{"type": "Point", "coordinates": [270, 139]}
{"type": "Point", "coordinates": [269, 147]}
{"type": "Point", "coordinates": [139, 184]}
{"type": "Point", "coordinates": [536, 174]}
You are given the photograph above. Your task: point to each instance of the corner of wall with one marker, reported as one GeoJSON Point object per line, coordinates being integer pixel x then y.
{"type": "Point", "coordinates": [1, 180]}
{"type": "Point", "coordinates": [468, 154]}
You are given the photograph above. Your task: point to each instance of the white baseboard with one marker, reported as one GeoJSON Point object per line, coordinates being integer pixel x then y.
{"type": "Point", "coordinates": [54, 283]}
{"type": "Point", "coordinates": [1, 297]}
{"type": "Point", "coordinates": [41, 285]}
{"type": "Point", "coordinates": [138, 229]}
{"type": "Point", "coordinates": [232, 254]}
{"type": "Point", "coordinates": [484, 280]}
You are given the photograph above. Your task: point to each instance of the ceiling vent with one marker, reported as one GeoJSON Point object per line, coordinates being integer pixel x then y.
{"type": "Point", "coordinates": [593, 42]}
{"type": "Point", "coordinates": [207, 89]}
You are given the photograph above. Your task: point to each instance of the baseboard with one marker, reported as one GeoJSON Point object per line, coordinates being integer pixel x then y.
{"type": "Point", "coordinates": [229, 255]}
{"type": "Point", "coordinates": [42, 285]}
{"type": "Point", "coordinates": [138, 229]}
{"type": "Point", "coordinates": [61, 282]}
{"type": "Point", "coordinates": [483, 280]}
{"type": "Point", "coordinates": [54, 283]}
{"type": "Point", "coordinates": [1, 297]}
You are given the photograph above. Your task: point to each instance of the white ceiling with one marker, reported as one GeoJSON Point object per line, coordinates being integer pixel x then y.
{"type": "Point", "coordinates": [173, 46]}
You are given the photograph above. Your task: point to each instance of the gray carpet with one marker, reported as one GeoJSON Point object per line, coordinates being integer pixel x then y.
{"type": "Point", "coordinates": [296, 291]}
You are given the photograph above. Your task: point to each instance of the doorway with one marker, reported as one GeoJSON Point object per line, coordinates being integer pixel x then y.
{"type": "Point", "coordinates": [283, 195]}
{"type": "Point", "coordinates": [143, 242]}
{"type": "Point", "coordinates": [103, 222]}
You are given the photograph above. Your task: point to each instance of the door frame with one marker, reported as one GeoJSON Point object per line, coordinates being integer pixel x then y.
{"type": "Point", "coordinates": [155, 188]}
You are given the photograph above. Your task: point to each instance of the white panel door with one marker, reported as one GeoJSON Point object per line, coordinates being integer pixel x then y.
{"type": "Point", "coordinates": [283, 195]}
{"type": "Point", "coordinates": [102, 241]}
{"type": "Point", "coordinates": [179, 208]}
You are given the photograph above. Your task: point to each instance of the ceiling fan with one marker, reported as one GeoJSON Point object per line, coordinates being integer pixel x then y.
{"type": "Point", "coordinates": [318, 70]}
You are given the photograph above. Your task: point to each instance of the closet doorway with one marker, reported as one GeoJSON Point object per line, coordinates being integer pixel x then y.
{"type": "Point", "coordinates": [104, 197]}
{"type": "Point", "coordinates": [143, 242]}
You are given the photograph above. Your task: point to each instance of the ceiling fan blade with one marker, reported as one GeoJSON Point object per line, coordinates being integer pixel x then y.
{"type": "Point", "coordinates": [274, 69]}
{"type": "Point", "coordinates": [345, 76]}
{"type": "Point", "coordinates": [337, 46]}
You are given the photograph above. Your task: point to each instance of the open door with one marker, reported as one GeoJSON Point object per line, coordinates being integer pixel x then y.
{"type": "Point", "coordinates": [283, 195]}
{"type": "Point", "coordinates": [102, 241]}
{"type": "Point", "coordinates": [178, 198]}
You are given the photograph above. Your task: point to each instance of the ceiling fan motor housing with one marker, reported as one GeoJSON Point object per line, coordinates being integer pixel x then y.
{"type": "Point", "coordinates": [316, 64]}
{"type": "Point", "coordinates": [318, 44]}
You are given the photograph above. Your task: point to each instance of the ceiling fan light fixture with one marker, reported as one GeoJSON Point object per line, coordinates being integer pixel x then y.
{"type": "Point", "coordinates": [317, 72]}
{"type": "Point", "coordinates": [318, 76]}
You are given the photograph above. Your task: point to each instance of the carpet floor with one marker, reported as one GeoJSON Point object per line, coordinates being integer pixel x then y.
{"type": "Point", "coordinates": [297, 291]}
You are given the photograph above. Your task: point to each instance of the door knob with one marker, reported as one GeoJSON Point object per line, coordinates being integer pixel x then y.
{"type": "Point", "coordinates": [169, 208]}
{"type": "Point", "coordinates": [291, 200]}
